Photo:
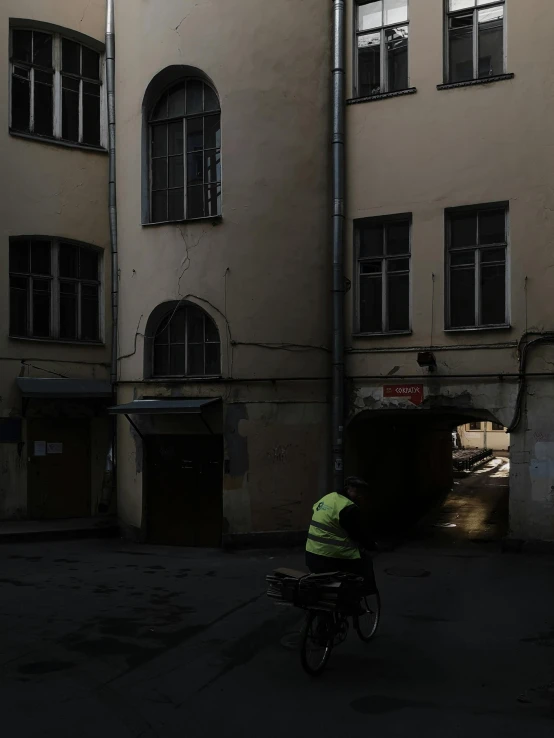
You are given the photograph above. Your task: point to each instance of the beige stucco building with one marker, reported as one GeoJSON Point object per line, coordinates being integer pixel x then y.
{"type": "Point", "coordinates": [224, 213]}
{"type": "Point", "coordinates": [54, 304]}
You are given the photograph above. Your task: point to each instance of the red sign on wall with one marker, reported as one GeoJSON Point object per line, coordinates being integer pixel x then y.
{"type": "Point", "coordinates": [411, 392]}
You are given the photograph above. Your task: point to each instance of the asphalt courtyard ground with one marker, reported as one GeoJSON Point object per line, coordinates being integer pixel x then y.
{"type": "Point", "coordinates": [102, 639]}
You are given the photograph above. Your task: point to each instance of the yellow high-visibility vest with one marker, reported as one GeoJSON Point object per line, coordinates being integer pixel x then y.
{"type": "Point", "coordinates": [325, 536]}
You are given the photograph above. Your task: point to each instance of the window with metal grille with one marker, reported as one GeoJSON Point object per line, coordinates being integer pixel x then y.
{"type": "Point", "coordinates": [383, 264]}
{"type": "Point", "coordinates": [186, 343]}
{"type": "Point", "coordinates": [475, 39]}
{"type": "Point", "coordinates": [54, 290]}
{"type": "Point", "coordinates": [185, 153]}
{"type": "Point", "coordinates": [477, 275]}
{"type": "Point", "coordinates": [381, 47]}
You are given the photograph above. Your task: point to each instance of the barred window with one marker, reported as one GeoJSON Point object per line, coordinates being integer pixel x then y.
{"type": "Point", "coordinates": [185, 153]}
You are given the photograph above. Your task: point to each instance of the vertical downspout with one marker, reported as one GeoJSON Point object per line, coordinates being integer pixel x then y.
{"type": "Point", "coordinates": [339, 81]}
{"type": "Point", "coordinates": [112, 205]}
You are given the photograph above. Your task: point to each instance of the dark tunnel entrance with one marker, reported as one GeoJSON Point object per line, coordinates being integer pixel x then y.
{"type": "Point", "coordinates": [408, 459]}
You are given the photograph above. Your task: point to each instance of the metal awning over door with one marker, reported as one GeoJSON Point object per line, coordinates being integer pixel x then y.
{"type": "Point", "coordinates": [193, 406]}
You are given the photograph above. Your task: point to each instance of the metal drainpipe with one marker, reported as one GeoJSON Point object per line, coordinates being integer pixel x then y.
{"type": "Point", "coordinates": [112, 205]}
{"type": "Point", "coordinates": [339, 80]}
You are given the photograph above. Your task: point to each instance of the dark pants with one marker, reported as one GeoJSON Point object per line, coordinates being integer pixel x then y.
{"type": "Point", "coordinates": [361, 567]}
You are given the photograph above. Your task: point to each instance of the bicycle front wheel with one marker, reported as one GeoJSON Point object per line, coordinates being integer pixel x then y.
{"type": "Point", "coordinates": [367, 621]}
{"type": "Point", "coordinates": [317, 642]}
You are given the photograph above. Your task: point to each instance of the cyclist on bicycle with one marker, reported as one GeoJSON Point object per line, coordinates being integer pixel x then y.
{"type": "Point", "coordinates": [337, 535]}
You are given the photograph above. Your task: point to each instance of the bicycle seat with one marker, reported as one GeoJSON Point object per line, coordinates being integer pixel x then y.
{"type": "Point", "coordinates": [294, 573]}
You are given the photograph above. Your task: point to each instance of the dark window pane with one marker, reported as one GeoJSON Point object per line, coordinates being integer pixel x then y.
{"type": "Point", "coordinates": [88, 264]}
{"type": "Point", "coordinates": [179, 327]}
{"type": "Point", "coordinates": [397, 58]}
{"type": "Point", "coordinates": [159, 206]}
{"type": "Point", "coordinates": [44, 109]}
{"type": "Point", "coordinates": [491, 42]}
{"type": "Point", "coordinates": [195, 169]}
{"type": "Point", "coordinates": [40, 257]}
{"type": "Point", "coordinates": [91, 63]}
{"type": "Point", "coordinates": [462, 258]}
{"type": "Point", "coordinates": [492, 226]}
{"type": "Point", "coordinates": [213, 360]}
{"type": "Point", "coordinates": [212, 166]}
{"type": "Point", "coordinates": [161, 361]}
{"type": "Point", "coordinates": [68, 261]}
{"type": "Point", "coordinates": [18, 307]}
{"type": "Point", "coordinates": [159, 140]}
{"type": "Point", "coordinates": [493, 255]}
{"type": "Point", "coordinates": [497, 427]}
{"type": "Point", "coordinates": [371, 240]}
{"type": "Point", "coordinates": [68, 310]}
{"type": "Point", "coordinates": [176, 101]}
{"type": "Point", "coordinates": [369, 64]}
{"type": "Point", "coordinates": [461, 48]}
{"type": "Point", "coordinates": [195, 202]}
{"type": "Point", "coordinates": [70, 115]}
{"type": "Point", "coordinates": [19, 257]}
{"type": "Point", "coordinates": [475, 426]}
{"type": "Point", "coordinates": [196, 359]}
{"type": "Point", "coordinates": [195, 319]}
{"type": "Point", "coordinates": [71, 57]}
{"type": "Point", "coordinates": [176, 138]}
{"type": "Point", "coordinates": [398, 238]}
{"type": "Point", "coordinates": [176, 204]}
{"type": "Point", "coordinates": [22, 45]}
{"type": "Point", "coordinates": [159, 174]}
{"type": "Point", "coordinates": [91, 116]}
{"type": "Point", "coordinates": [398, 298]}
{"type": "Point", "coordinates": [69, 83]}
{"type": "Point", "coordinates": [371, 309]}
{"type": "Point", "coordinates": [89, 313]}
{"type": "Point", "coordinates": [176, 172]}
{"type": "Point", "coordinates": [162, 332]}
{"type": "Point", "coordinates": [212, 196]}
{"type": "Point", "coordinates": [195, 90]}
{"type": "Point", "coordinates": [212, 334]}
{"type": "Point", "coordinates": [462, 298]}
{"type": "Point", "coordinates": [212, 128]}
{"type": "Point", "coordinates": [195, 135]}
{"type": "Point", "coordinates": [398, 265]}
{"type": "Point", "coordinates": [160, 110]}
{"type": "Point", "coordinates": [21, 104]}
{"type": "Point", "coordinates": [211, 101]}
{"type": "Point", "coordinates": [47, 78]}
{"type": "Point", "coordinates": [371, 267]}
{"type": "Point", "coordinates": [42, 49]}
{"type": "Point", "coordinates": [41, 308]}
{"type": "Point", "coordinates": [178, 359]}
{"type": "Point", "coordinates": [463, 230]}
{"type": "Point", "coordinates": [493, 295]}
{"type": "Point", "coordinates": [21, 72]}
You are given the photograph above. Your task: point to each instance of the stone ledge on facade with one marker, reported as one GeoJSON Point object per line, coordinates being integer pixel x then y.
{"type": "Point", "coordinates": [381, 96]}
{"type": "Point", "coordinates": [475, 82]}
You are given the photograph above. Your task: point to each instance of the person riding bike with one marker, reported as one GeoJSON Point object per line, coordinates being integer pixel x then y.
{"type": "Point", "coordinates": [338, 535]}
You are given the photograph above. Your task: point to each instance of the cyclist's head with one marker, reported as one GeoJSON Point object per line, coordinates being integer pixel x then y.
{"type": "Point", "coordinates": [355, 488]}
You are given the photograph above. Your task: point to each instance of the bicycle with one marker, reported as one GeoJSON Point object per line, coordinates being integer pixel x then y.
{"type": "Point", "coordinates": [329, 600]}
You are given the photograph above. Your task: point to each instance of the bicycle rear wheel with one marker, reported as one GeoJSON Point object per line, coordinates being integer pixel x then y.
{"type": "Point", "coordinates": [367, 622]}
{"type": "Point", "coordinates": [317, 642]}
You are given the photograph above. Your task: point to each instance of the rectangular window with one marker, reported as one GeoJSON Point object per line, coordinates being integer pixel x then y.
{"type": "Point", "coordinates": [477, 254]}
{"type": "Point", "coordinates": [56, 88]}
{"type": "Point", "coordinates": [475, 39]}
{"type": "Point", "coordinates": [54, 290]}
{"type": "Point", "coordinates": [497, 427]}
{"type": "Point", "coordinates": [383, 274]}
{"type": "Point", "coordinates": [381, 47]}
{"type": "Point", "coordinates": [475, 426]}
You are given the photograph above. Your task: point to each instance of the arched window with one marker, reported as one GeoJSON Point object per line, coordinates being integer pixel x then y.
{"type": "Point", "coordinates": [185, 153]}
{"type": "Point", "coordinates": [186, 343]}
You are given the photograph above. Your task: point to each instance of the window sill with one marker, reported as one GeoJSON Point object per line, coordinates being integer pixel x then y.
{"type": "Point", "coordinates": [389, 334]}
{"type": "Point", "coordinates": [58, 142]}
{"type": "Point", "coordinates": [213, 219]}
{"type": "Point", "coordinates": [479, 329]}
{"type": "Point", "coordinates": [475, 82]}
{"type": "Point", "coordinates": [32, 339]}
{"type": "Point", "coordinates": [381, 96]}
{"type": "Point", "coordinates": [180, 379]}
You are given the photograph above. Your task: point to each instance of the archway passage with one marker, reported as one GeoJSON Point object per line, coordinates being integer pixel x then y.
{"type": "Point", "coordinates": [408, 459]}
